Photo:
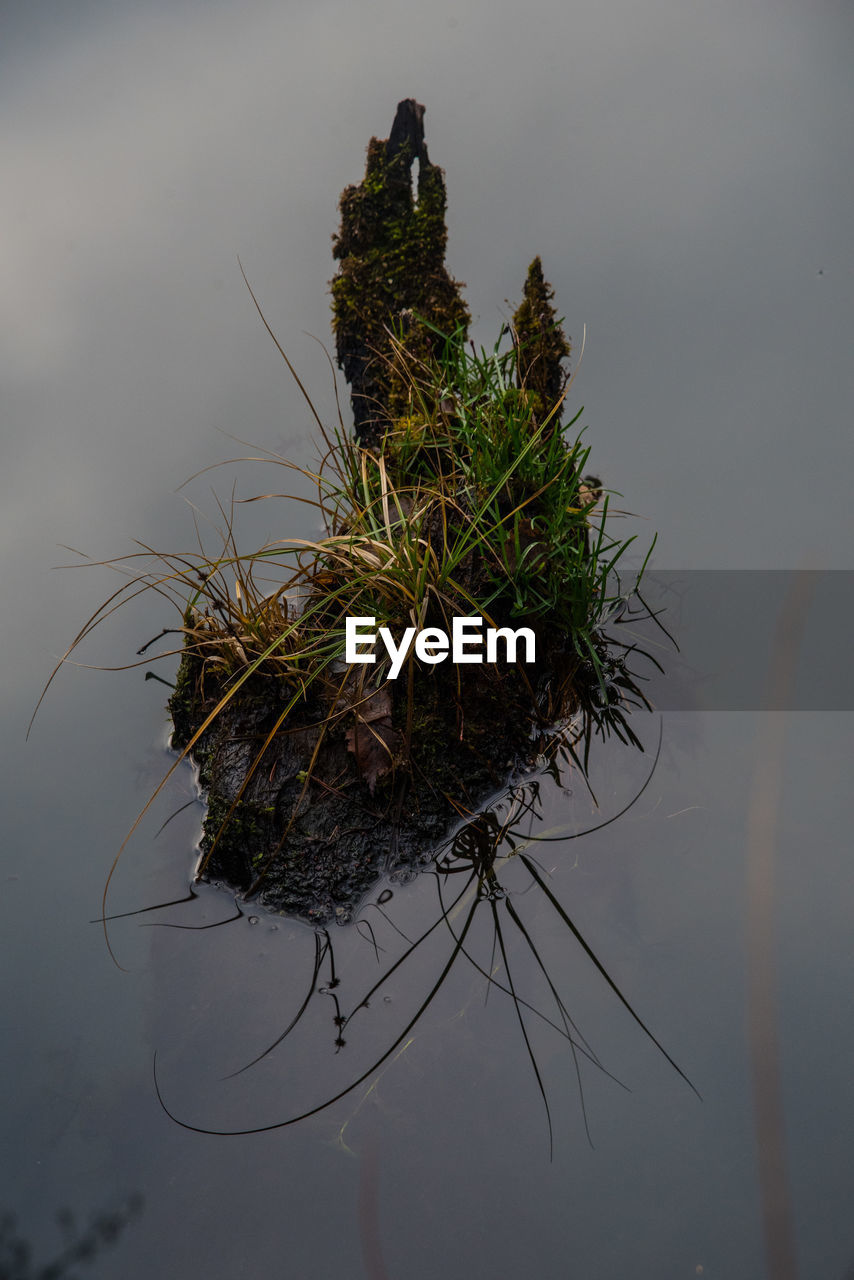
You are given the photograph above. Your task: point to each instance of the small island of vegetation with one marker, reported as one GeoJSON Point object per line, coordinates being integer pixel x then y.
{"type": "Point", "coordinates": [461, 493]}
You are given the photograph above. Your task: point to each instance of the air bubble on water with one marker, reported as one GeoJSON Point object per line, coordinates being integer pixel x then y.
{"type": "Point", "coordinates": [254, 920]}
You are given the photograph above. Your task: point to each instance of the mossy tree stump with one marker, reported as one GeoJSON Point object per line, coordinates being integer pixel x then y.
{"type": "Point", "coordinates": [295, 816]}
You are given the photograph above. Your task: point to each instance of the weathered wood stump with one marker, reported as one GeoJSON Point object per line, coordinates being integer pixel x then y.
{"type": "Point", "coordinates": [303, 814]}
{"type": "Point", "coordinates": [392, 274]}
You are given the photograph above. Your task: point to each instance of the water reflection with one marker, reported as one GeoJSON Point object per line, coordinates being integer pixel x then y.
{"type": "Point", "coordinates": [494, 908]}
{"type": "Point", "coordinates": [81, 1246]}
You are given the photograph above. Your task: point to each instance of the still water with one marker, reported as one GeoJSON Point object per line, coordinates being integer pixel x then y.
{"type": "Point", "coordinates": [680, 170]}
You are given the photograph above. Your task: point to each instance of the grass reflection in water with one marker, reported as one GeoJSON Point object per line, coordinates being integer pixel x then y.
{"type": "Point", "coordinates": [491, 888]}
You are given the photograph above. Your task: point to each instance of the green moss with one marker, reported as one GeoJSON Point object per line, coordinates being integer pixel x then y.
{"type": "Point", "coordinates": [242, 840]}
{"type": "Point", "coordinates": [543, 346]}
{"type": "Point", "coordinates": [183, 702]}
{"type": "Point", "coordinates": [392, 277]}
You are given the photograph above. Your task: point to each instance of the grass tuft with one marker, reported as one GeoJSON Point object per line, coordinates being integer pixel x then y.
{"type": "Point", "coordinates": [472, 501]}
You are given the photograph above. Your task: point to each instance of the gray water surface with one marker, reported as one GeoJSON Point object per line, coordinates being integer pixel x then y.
{"type": "Point", "coordinates": [683, 172]}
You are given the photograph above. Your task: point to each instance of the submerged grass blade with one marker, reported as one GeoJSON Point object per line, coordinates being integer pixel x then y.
{"type": "Point", "coordinates": [313, 1111]}
{"type": "Point", "coordinates": [535, 875]}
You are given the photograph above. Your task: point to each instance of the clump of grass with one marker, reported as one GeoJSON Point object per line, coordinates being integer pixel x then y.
{"type": "Point", "coordinates": [473, 502]}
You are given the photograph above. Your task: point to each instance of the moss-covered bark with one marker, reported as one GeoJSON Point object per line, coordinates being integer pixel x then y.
{"type": "Point", "coordinates": [392, 275]}
{"type": "Point", "coordinates": [543, 347]}
{"type": "Point", "coordinates": [300, 821]}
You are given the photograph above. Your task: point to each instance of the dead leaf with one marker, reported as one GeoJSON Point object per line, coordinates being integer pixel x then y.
{"type": "Point", "coordinates": [373, 739]}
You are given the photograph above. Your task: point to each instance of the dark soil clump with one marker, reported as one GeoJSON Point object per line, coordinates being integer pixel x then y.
{"type": "Point", "coordinates": [313, 844]}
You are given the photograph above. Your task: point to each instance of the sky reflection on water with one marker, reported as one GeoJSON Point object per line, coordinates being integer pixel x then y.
{"type": "Point", "coordinates": [681, 172]}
